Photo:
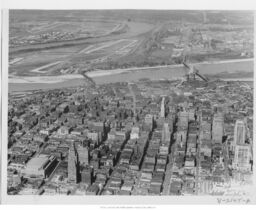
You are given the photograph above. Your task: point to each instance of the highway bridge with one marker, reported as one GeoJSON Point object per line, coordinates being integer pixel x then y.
{"type": "Point", "coordinates": [88, 79]}
{"type": "Point", "coordinates": [194, 72]}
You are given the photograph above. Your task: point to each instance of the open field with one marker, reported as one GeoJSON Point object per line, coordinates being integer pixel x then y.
{"type": "Point", "coordinates": [72, 42]}
{"type": "Point", "coordinates": [33, 63]}
{"type": "Point", "coordinates": [40, 69]}
{"type": "Point", "coordinates": [134, 29]}
{"type": "Point", "coordinates": [109, 39]}
{"type": "Point", "coordinates": [46, 30]}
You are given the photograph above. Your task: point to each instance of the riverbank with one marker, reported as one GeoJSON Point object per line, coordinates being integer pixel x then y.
{"type": "Point", "coordinates": [99, 73]}
{"type": "Point", "coordinates": [44, 79]}
{"type": "Point", "coordinates": [130, 75]}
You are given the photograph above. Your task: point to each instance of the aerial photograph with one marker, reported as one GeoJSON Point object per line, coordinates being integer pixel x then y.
{"type": "Point", "coordinates": [130, 102]}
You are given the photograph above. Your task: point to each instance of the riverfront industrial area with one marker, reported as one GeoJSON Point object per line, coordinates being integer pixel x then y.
{"type": "Point", "coordinates": [130, 103]}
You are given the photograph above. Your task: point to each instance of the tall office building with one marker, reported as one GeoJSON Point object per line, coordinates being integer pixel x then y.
{"type": "Point", "coordinates": [166, 135]}
{"type": "Point", "coordinates": [162, 111]}
{"type": "Point", "coordinates": [183, 119]}
{"type": "Point", "coordinates": [149, 119]}
{"type": "Point", "coordinates": [242, 157]}
{"type": "Point", "coordinates": [83, 155]}
{"type": "Point", "coordinates": [218, 128]}
{"type": "Point", "coordinates": [86, 175]}
{"type": "Point", "coordinates": [239, 132]}
{"type": "Point", "coordinates": [72, 164]}
{"type": "Point", "coordinates": [148, 122]}
{"type": "Point", "coordinates": [181, 137]}
{"type": "Point", "coordinates": [135, 132]}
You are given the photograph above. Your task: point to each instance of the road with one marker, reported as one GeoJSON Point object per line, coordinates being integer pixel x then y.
{"type": "Point", "coordinates": [197, 166]}
{"type": "Point", "coordinates": [169, 170]}
{"type": "Point", "coordinates": [39, 69]}
{"type": "Point", "coordinates": [104, 45]}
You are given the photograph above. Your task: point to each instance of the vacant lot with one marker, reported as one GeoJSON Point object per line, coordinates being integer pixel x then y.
{"type": "Point", "coordinates": [43, 62]}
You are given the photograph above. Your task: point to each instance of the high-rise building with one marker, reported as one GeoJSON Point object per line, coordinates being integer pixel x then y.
{"type": "Point", "coordinates": [86, 175]}
{"type": "Point", "coordinates": [218, 128]}
{"type": "Point", "coordinates": [166, 135]}
{"type": "Point", "coordinates": [181, 137]}
{"type": "Point", "coordinates": [242, 157]}
{"type": "Point", "coordinates": [162, 111]}
{"type": "Point", "coordinates": [72, 164]}
{"type": "Point", "coordinates": [183, 119]}
{"type": "Point", "coordinates": [205, 131]}
{"type": "Point", "coordinates": [135, 132]}
{"type": "Point", "coordinates": [191, 114]}
{"type": "Point", "coordinates": [83, 155]}
{"type": "Point", "coordinates": [149, 119]}
{"type": "Point", "coordinates": [239, 132]}
{"type": "Point", "coordinates": [148, 122]}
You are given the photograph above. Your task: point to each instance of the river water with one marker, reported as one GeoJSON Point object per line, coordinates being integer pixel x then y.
{"type": "Point", "coordinates": [130, 76]}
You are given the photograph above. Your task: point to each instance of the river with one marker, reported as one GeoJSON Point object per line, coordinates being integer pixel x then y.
{"type": "Point", "coordinates": [135, 75]}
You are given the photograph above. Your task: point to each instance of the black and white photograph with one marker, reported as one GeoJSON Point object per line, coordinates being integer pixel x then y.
{"type": "Point", "coordinates": [119, 103]}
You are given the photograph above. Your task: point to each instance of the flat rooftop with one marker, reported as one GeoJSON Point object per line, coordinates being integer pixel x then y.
{"type": "Point", "coordinates": [38, 161]}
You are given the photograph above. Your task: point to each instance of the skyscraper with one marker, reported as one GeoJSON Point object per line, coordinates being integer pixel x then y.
{"type": "Point", "coordinates": [72, 164]}
{"type": "Point", "coordinates": [86, 175]}
{"type": "Point", "coordinates": [148, 123]}
{"type": "Point", "coordinates": [166, 135]}
{"type": "Point", "coordinates": [83, 155]}
{"type": "Point", "coordinates": [162, 111]}
{"type": "Point", "coordinates": [217, 128]}
{"type": "Point", "coordinates": [242, 157]}
{"type": "Point", "coordinates": [183, 119]}
{"type": "Point", "coordinates": [239, 132]}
